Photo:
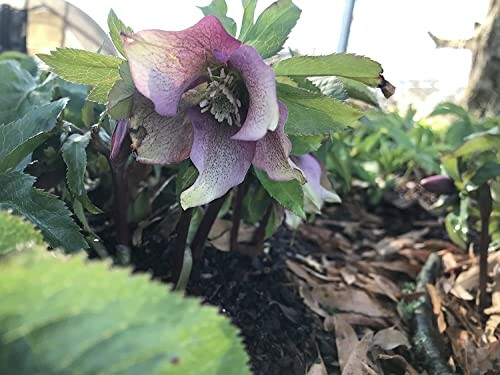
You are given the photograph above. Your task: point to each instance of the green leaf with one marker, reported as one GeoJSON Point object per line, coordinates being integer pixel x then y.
{"type": "Point", "coordinates": [248, 17]}
{"type": "Point", "coordinates": [121, 95]}
{"type": "Point", "coordinates": [185, 178]}
{"type": "Point", "coordinates": [17, 234]}
{"type": "Point", "coordinates": [272, 27]}
{"type": "Point", "coordinates": [306, 143]}
{"type": "Point", "coordinates": [26, 62]}
{"type": "Point", "coordinates": [288, 193]}
{"type": "Point", "coordinates": [85, 67]}
{"type": "Point", "coordinates": [20, 91]}
{"type": "Point", "coordinates": [44, 210]}
{"type": "Point", "coordinates": [255, 204]}
{"type": "Point", "coordinates": [480, 142]}
{"type": "Point", "coordinates": [314, 114]}
{"type": "Point", "coordinates": [486, 172]}
{"type": "Point", "coordinates": [357, 90]}
{"type": "Point", "coordinates": [358, 68]}
{"type": "Point", "coordinates": [68, 316]}
{"type": "Point", "coordinates": [75, 156]}
{"type": "Point", "coordinates": [218, 8]}
{"type": "Point", "coordinates": [116, 26]}
{"type": "Point", "coordinates": [19, 138]}
{"type": "Point", "coordinates": [331, 86]}
{"type": "Point", "coordinates": [451, 109]}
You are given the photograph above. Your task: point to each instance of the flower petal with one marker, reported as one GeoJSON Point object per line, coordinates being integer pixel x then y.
{"type": "Point", "coordinates": [260, 81]}
{"type": "Point", "coordinates": [119, 135]}
{"type": "Point", "coordinates": [222, 162]}
{"type": "Point", "coordinates": [164, 64]}
{"type": "Point", "coordinates": [314, 193]}
{"type": "Point", "coordinates": [159, 139]}
{"type": "Point", "coordinates": [272, 153]}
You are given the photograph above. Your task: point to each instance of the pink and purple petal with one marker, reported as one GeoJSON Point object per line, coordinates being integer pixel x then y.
{"type": "Point", "coordinates": [260, 81]}
{"type": "Point", "coordinates": [272, 153]}
{"type": "Point", "coordinates": [314, 192]}
{"type": "Point", "coordinates": [159, 139]}
{"type": "Point", "coordinates": [222, 162]}
{"type": "Point", "coordinates": [164, 64]}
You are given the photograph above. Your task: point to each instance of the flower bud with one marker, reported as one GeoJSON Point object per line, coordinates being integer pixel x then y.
{"type": "Point", "coordinates": [438, 184]}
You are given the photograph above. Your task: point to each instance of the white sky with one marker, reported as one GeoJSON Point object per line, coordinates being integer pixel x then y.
{"type": "Point", "coordinates": [393, 32]}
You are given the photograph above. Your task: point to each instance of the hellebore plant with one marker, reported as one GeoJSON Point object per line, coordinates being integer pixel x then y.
{"type": "Point", "coordinates": [205, 95]}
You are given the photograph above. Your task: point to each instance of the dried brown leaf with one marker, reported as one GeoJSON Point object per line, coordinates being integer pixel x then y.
{"type": "Point", "coordinates": [346, 340]}
{"type": "Point", "coordinates": [358, 362]}
{"type": "Point", "coordinates": [391, 338]}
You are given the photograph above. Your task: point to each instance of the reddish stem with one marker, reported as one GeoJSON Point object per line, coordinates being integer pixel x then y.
{"type": "Point", "coordinates": [236, 219]}
{"type": "Point", "coordinates": [198, 244]}
{"type": "Point", "coordinates": [182, 231]}
{"type": "Point", "coordinates": [485, 208]}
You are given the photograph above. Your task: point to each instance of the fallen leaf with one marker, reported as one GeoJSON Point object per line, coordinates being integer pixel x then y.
{"type": "Point", "coordinates": [350, 300]}
{"type": "Point", "coordinates": [401, 361]}
{"type": "Point", "coordinates": [348, 276]}
{"type": "Point", "coordinates": [436, 307]}
{"type": "Point", "coordinates": [311, 302]}
{"type": "Point", "coordinates": [390, 338]}
{"type": "Point", "coordinates": [469, 279]}
{"type": "Point", "coordinates": [346, 340]}
{"type": "Point", "coordinates": [318, 367]}
{"type": "Point", "coordinates": [358, 362]}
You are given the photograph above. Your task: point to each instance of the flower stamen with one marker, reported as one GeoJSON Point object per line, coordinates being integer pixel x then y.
{"type": "Point", "coordinates": [220, 99]}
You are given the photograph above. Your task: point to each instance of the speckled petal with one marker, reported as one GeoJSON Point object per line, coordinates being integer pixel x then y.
{"type": "Point", "coordinates": [221, 161]}
{"type": "Point", "coordinates": [272, 153]}
{"type": "Point", "coordinates": [160, 139]}
{"type": "Point", "coordinates": [164, 64]}
{"type": "Point", "coordinates": [260, 81]}
{"type": "Point", "coordinates": [314, 192]}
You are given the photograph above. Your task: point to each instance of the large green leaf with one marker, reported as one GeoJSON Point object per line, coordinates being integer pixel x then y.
{"type": "Point", "coordinates": [85, 67]}
{"type": "Point", "coordinates": [248, 17]}
{"type": "Point", "coordinates": [20, 91]}
{"type": "Point", "coordinates": [71, 316]}
{"type": "Point", "coordinates": [480, 142]}
{"type": "Point", "coordinates": [357, 90]}
{"type": "Point", "coordinates": [17, 234]}
{"type": "Point", "coordinates": [451, 109]}
{"type": "Point", "coordinates": [116, 26]}
{"type": "Point", "coordinates": [19, 138]}
{"type": "Point", "coordinates": [288, 193]}
{"type": "Point", "coordinates": [314, 114]}
{"type": "Point", "coordinates": [44, 210]}
{"type": "Point", "coordinates": [272, 27]}
{"type": "Point", "coordinates": [358, 68]}
{"type": "Point", "coordinates": [218, 8]}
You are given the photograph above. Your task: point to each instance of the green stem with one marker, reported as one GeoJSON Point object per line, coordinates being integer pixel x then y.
{"type": "Point", "coordinates": [182, 231]}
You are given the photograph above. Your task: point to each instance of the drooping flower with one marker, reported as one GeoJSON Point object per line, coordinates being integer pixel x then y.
{"type": "Point", "coordinates": [317, 189]}
{"type": "Point", "coordinates": [205, 95]}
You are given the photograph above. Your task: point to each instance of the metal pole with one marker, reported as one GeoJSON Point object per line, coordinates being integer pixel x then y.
{"type": "Point", "coordinates": [346, 26]}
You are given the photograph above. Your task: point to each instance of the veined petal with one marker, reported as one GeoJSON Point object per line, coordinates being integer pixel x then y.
{"type": "Point", "coordinates": [314, 193]}
{"type": "Point", "coordinates": [221, 161]}
{"type": "Point", "coordinates": [272, 153]}
{"type": "Point", "coordinates": [160, 139]}
{"type": "Point", "coordinates": [260, 81]}
{"type": "Point", "coordinates": [164, 64]}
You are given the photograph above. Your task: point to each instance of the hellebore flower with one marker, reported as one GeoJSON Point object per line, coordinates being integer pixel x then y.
{"type": "Point", "coordinates": [205, 95]}
{"type": "Point", "coordinates": [316, 190]}
{"type": "Point", "coordinates": [438, 184]}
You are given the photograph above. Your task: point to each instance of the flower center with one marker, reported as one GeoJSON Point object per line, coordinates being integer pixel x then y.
{"type": "Point", "coordinates": [220, 98]}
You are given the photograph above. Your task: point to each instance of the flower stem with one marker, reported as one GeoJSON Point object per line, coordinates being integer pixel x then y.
{"type": "Point", "coordinates": [485, 208]}
{"type": "Point", "coordinates": [182, 231]}
{"type": "Point", "coordinates": [198, 243]}
{"type": "Point", "coordinates": [236, 219]}
{"type": "Point", "coordinates": [260, 232]}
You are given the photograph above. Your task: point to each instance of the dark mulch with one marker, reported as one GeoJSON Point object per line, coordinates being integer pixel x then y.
{"type": "Point", "coordinates": [281, 334]}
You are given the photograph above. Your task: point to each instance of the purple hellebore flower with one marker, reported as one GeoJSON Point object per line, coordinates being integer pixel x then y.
{"type": "Point", "coordinates": [438, 184]}
{"type": "Point", "coordinates": [316, 189]}
{"type": "Point", "coordinates": [205, 95]}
